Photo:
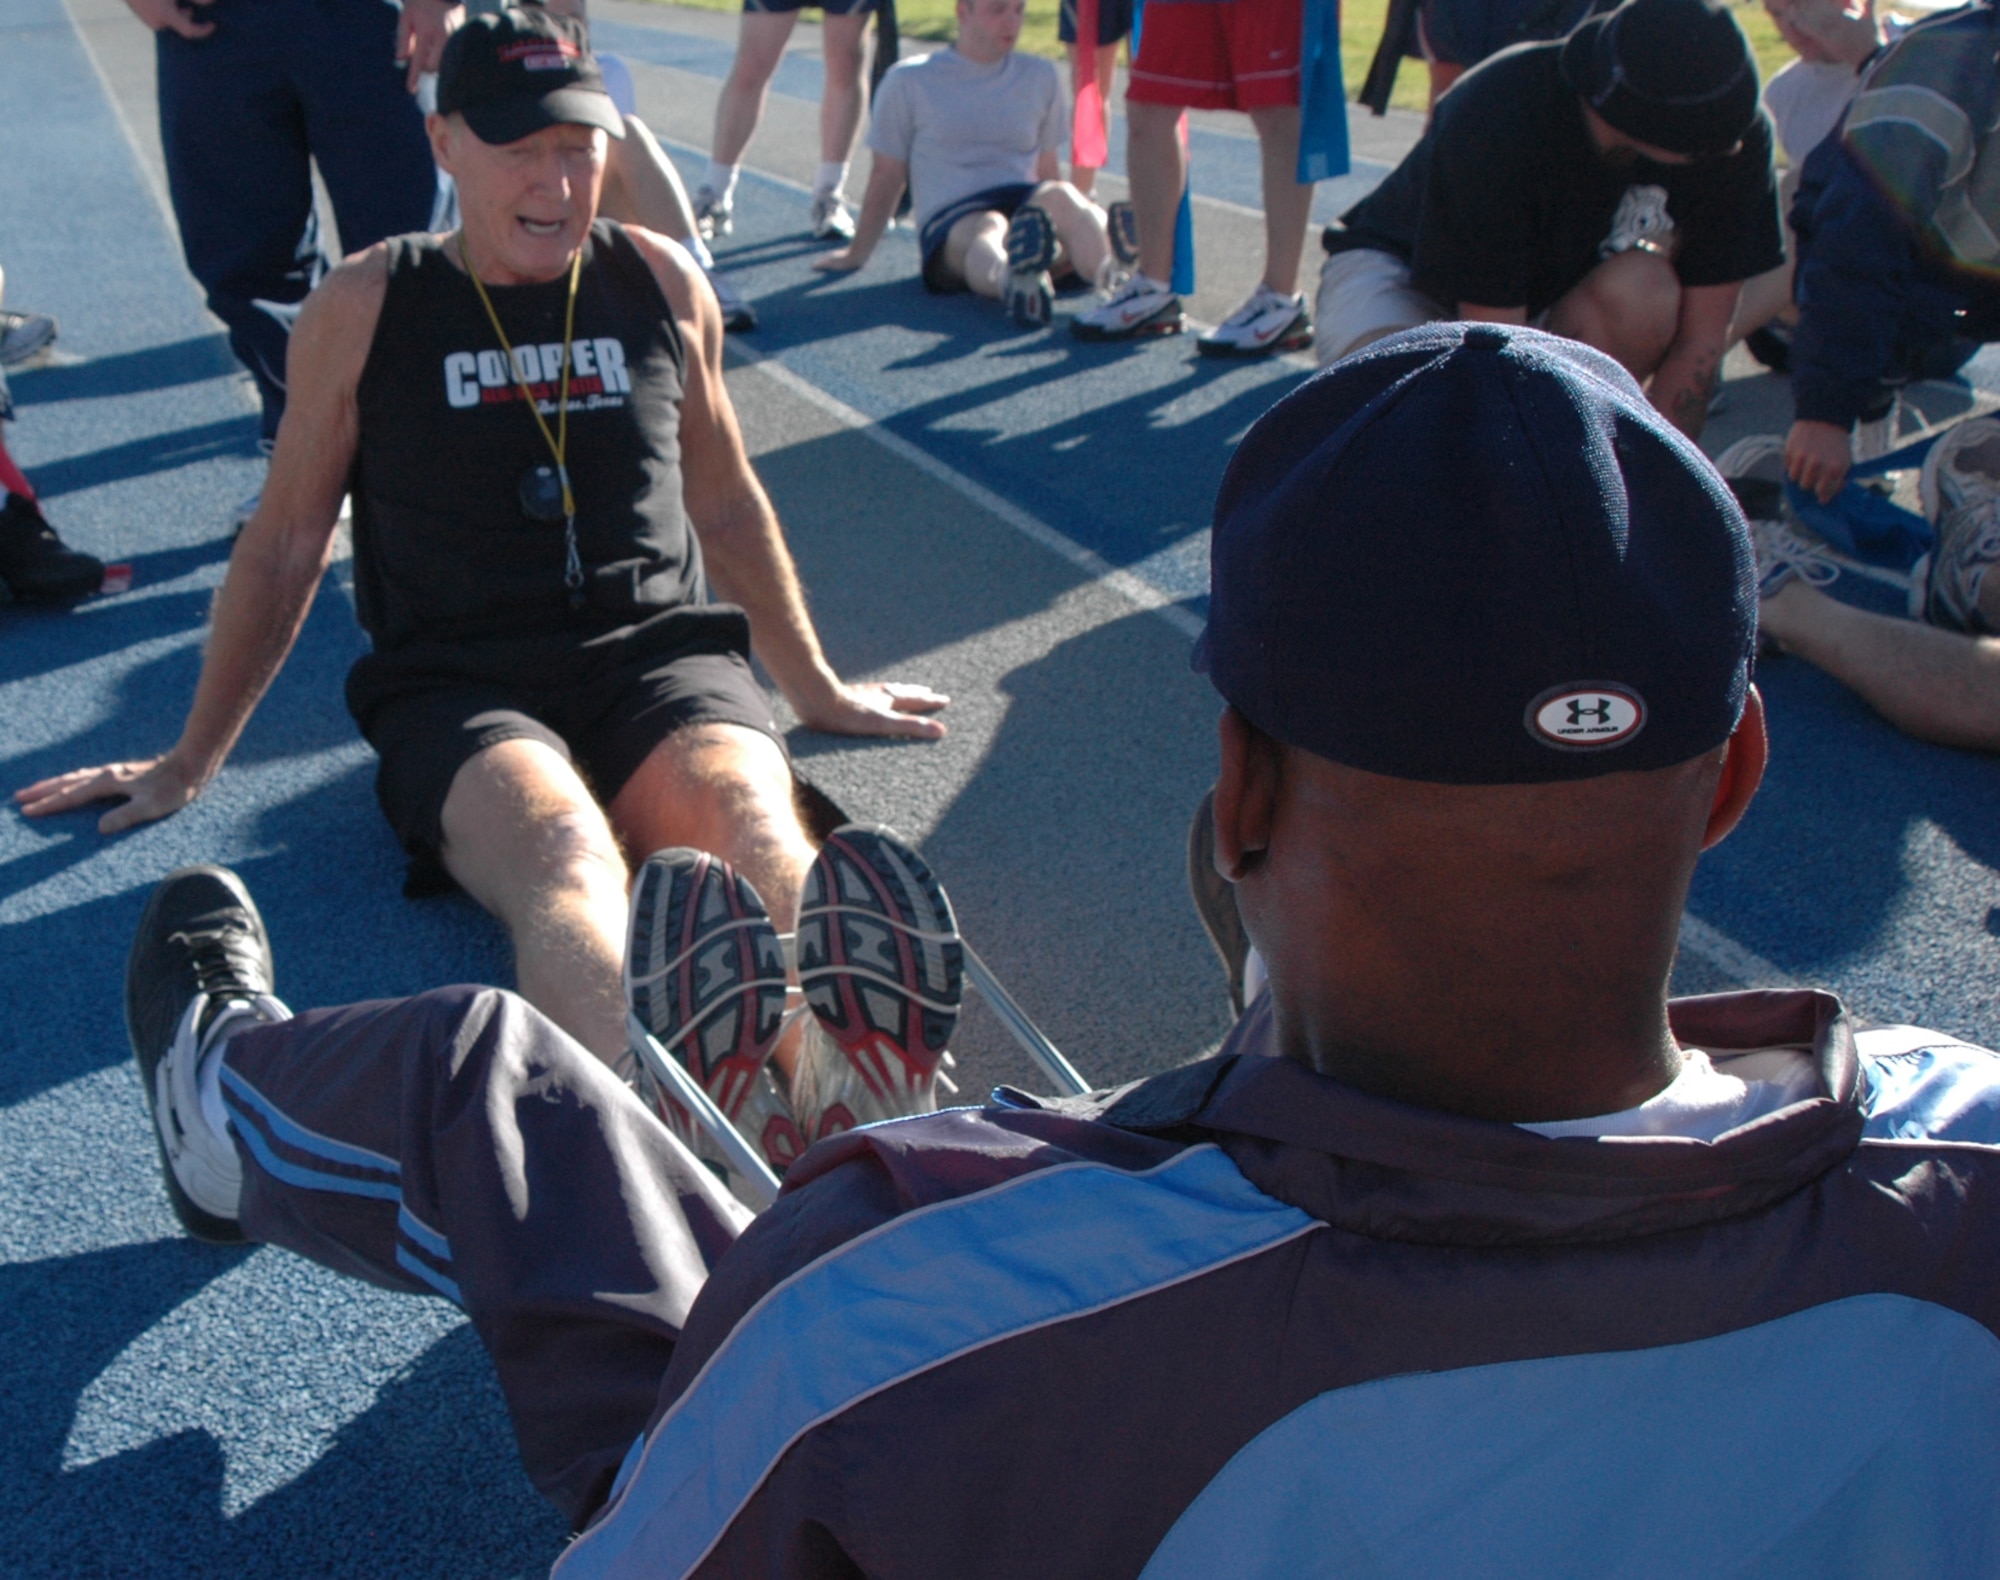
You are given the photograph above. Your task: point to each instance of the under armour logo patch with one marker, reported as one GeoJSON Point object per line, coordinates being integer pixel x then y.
{"type": "Point", "coordinates": [1586, 718]}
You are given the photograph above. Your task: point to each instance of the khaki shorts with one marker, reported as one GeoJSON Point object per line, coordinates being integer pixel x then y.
{"type": "Point", "coordinates": [1364, 295]}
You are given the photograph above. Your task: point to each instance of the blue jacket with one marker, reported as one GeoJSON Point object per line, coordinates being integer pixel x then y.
{"type": "Point", "coordinates": [1241, 1320]}
{"type": "Point", "coordinates": [1896, 219]}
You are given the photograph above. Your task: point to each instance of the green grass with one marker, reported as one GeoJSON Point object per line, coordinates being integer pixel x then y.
{"type": "Point", "coordinates": [1360, 28]}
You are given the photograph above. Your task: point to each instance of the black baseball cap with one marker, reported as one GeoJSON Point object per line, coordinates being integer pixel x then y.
{"type": "Point", "coordinates": [514, 72]}
{"type": "Point", "coordinates": [1677, 74]}
{"type": "Point", "coordinates": [1472, 554]}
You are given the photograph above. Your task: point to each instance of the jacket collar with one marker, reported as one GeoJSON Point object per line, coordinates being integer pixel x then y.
{"type": "Point", "coordinates": [1387, 1169]}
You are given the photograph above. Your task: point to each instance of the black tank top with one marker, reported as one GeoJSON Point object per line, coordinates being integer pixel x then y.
{"type": "Point", "coordinates": [444, 555]}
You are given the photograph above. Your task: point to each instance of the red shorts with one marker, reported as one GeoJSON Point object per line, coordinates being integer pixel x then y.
{"type": "Point", "coordinates": [1219, 54]}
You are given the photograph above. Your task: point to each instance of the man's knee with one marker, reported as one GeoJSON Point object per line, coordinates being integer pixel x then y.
{"type": "Point", "coordinates": [518, 822]}
{"type": "Point", "coordinates": [709, 785]}
{"type": "Point", "coordinates": [1628, 306]}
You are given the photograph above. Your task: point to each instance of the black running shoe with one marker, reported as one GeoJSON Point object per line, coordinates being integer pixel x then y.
{"type": "Point", "coordinates": [883, 971]}
{"type": "Point", "coordinates": [200, 968]}
{"type": "Point", "coordinates": [35, 564]}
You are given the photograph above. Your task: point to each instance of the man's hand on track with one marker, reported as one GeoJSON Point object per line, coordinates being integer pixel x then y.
{"type": "Point", "coordinates": [879, 708]}
{"type": "Point", "coordinates": [152, 789]}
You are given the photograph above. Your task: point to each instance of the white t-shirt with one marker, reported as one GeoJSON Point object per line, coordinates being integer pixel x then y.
{"type": "Point", "coordinates": [1708, 1097]}
{"type": "Point", "coordinates": [964, 128]}
{"type": "Point", "coordinates": [1806, 100]}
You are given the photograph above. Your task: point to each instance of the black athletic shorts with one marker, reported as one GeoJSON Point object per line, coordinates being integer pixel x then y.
{"type": "Point", "coordinates": [604, 708]}
{"type": "Point", "coordinates": [1114, 21]}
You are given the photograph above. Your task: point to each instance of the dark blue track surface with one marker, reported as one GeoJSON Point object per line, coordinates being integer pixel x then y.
{"type": "Point", "coordinates": [169, 1409]}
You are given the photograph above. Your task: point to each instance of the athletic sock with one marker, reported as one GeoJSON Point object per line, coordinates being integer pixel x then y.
{"type": "Point", "coordinates": [831, 178]}
{"type": "Point", "coordinates": [721, 181]}
{"type": "Point", "coordinates": [699, 250]}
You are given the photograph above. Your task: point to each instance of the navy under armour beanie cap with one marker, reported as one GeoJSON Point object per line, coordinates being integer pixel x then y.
{"type": "Point", "coordinates": [1472, 554]}
{"type": "Point", "coordinates": [1677, 74]}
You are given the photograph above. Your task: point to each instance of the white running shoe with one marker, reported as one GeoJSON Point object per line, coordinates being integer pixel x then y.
{"type": "Point", "coordinates": [883, 971]}
{"type": "Point", "coordinates": [831, 220]}
{"type": "Point", "coordinates": [1266, 324]}
{"type": "Point", "coordinates": [23, 336]}
{"type": "Point", "coordinates": [1961, 495]}
{"type": "Point", "coordinates": [1141, 306]}
{"type": "Point", "coordinates": [1755, 469]}
{"type": "Point", "coordinates": [713, 215]}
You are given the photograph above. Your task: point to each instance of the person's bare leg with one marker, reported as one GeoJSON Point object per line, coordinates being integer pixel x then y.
{"type": "Point", "coordinates": [1936, 685]}
{"type": "Point", "coordinates": [726, 790]}
{"type": "Point", "coordinates": [975, 250]}
{"type": "Point", "coordinates": [1627, 307]}
{"type": "Point", "coordinates": [524, 838]}
{"type": "Point", "coordinates": [641, 185]}
{"type": "Point", "coordinates": [1079, 226]}
{"type": "Point", "coordinates": [1763, 297]}
{"type": "Point", "coordinates": [760, 45]}
{"type": "Point", "coordinates": [1287, 201]}
{"type": "Point", "coordinates": [1443, 74]}
{"type": "Point", "coordinates": [1157, 173]}
{"type": "Point", "coordinates": [843, 44]}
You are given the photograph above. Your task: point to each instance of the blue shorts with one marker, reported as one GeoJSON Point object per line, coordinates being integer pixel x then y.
{"type": "Point", "coordinates": [830, 7]}
{"type": "Point", "coordinates": [1001, 200]}
{"type": "Point", "coordinates": [1114, 21]}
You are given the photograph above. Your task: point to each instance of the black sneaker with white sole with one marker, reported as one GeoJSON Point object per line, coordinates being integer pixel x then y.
{"type": "Point", "coordinates": [1031, 249]}
{"type": "Point", "coordinates": [200, 970]}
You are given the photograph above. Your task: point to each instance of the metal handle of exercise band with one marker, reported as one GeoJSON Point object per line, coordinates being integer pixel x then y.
{"type": "Point", "coordinates": [763, 1184]}
{"type": "Point", "coordinates": [1038, 1047]}
{"type": "Point", "coordinates": [685, 1090]}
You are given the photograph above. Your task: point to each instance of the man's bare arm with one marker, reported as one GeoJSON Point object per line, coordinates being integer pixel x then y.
{"type": "Point", "coordinates": [886, 179]}
{"type": "Point", "coordinates": [1685, 380]}
{"type": "Point", "coordinates": [421, 33]}
{"type": "Point", "coordinates": [274, 571]}
{"type": "Point", "coordinates": [742, 542]}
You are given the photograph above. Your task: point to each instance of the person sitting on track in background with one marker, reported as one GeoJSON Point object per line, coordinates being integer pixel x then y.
{"type": "Point", "coordinates": [1615, 187]}
{"type": "Point", "coordinates": [1467, 1253]}
{"type": "Point", "coordinates": [547, 476]}
{"type": "Point", "coordinates": [1935, 675]}
{"type": "Point", "coordinates": [975, 130]}
{"type": "Point", "coordinates": [1898, 226]}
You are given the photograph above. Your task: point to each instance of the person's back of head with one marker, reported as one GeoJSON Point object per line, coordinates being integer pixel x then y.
{"type": "Point", "coordinates": [1484, 620]}
{"type": "Point", "coordinates": [1672, 75]}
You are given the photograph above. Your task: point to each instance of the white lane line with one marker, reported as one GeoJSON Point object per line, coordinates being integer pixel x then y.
{"type": "Point", "coordinates": [1131, 588]}
{"type": "Point", "coordinates": [160, 198]}
{"type": "Point", "coordinates": [1718, 949]}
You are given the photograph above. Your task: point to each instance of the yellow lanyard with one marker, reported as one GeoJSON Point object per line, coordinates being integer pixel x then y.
{"type": "Point", "coordinates": [558, 442]}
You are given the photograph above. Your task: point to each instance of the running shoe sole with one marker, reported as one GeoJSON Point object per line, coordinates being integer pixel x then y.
{"type": "Point", "coordinates": [704, 971]}
{"type": "Point", "coordinates": [1031, 241]}
{"type": "Point", "coordinates": [1121, 227]}
{"type": "Point", "coordinates": [1296, 337]}
{"type": "Point", "coordinates": [1169, 320]}
{"type": "Point", "coordinates": [880, 960]}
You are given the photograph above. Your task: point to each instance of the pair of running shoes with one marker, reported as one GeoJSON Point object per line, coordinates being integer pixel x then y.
{"type": "Point", "coordinates": [1136, 306]}
{"type": "Point", "coordinates": [878, 961]}
{"type": "Point", "coordinates": [1959, 489]}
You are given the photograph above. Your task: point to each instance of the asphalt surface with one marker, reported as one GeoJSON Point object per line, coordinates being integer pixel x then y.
{"type": "Point", "coordinates": [1015, 518]}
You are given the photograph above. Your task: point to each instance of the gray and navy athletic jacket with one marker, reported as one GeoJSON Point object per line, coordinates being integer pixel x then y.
{"type": "Point", "coordinates": [1898, 222]}
{"type": "Point", "coordinates": [1242, 1320]}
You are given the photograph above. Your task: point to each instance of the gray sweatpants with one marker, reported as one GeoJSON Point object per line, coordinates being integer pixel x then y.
{"type": "Point", "coordinates": [458, 1143]}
